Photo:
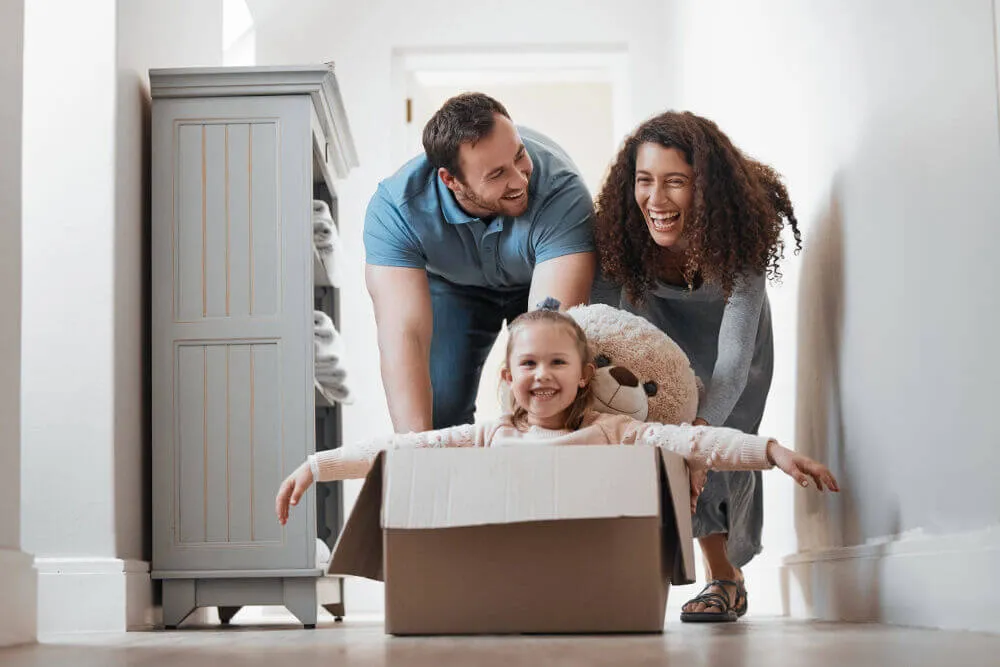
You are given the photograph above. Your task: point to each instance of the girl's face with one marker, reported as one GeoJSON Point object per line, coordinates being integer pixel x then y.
{"type": "Point", "coordinates": [664, 192]}
{"type": "Point", "coordinates": [544, 372]}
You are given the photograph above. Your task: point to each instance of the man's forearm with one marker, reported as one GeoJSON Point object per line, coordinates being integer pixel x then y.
{"type": "Point", "coordinates": [405, 362]}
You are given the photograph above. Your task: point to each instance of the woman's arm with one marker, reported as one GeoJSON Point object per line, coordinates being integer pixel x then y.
{"type": "Point", "coordinates": [737, 339]}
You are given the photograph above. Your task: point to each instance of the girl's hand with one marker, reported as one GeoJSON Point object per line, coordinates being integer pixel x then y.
{"type": "Point", "coordinates": [800, 467]}
{"type": "Point", "coordinates": [291, 491]}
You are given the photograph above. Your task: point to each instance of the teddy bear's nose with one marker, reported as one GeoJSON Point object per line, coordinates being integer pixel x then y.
{"type": "Point", "coordinates": [624, 376]}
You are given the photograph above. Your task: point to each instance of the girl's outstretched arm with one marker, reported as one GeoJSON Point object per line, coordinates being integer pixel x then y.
{"type": "Point", "coordinates": [722, 448]}
{"type": "Point", "coordinates": [353, 461]}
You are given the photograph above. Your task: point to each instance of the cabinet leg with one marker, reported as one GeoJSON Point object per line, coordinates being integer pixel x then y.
{"type": "Point", "coordinates": [226, 614]}
{"type": "Point", "coordinates": [178, 601]}
{"type": "Point", "coordinates": [299, 597]}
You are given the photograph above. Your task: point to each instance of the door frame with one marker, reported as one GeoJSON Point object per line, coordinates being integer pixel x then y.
{"type": "Point", "coordinates": [509, 64]}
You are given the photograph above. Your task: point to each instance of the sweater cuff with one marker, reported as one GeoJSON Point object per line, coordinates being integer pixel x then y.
{"type": "Point", "coordinates": [753, 452]}
{"type": "Point", "coordinates": [333, 466]}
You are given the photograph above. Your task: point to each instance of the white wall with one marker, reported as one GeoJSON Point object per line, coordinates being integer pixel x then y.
{"type": "Point", "coordinates": [360, 37]}
{"type": "Point", "coordinates": [85, 180]}
{"type": "Point", "coordinates": [85, 479]}
{"type": "Point", "coordinates": [68, 327]}
{"type": "Point", "coordinates": [151, 34]}
{"type": "Point", "coordinates": [239, 45]}
{"type": "Point", "coordinates": [17, 579]}
{"type": "Point", "coordinates": [883, 118]}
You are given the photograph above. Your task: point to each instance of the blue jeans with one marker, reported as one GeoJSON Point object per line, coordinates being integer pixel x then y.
{"type": "Point", "coordinates": [466, 323]}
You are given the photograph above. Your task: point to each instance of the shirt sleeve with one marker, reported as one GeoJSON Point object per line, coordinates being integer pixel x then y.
{"type": "Point", "coordinates": [737, 338]}
{"type": "Point", "coordinates": [564, 225]}
{"type": "Point", "coordinates": [389, 239]}
{"type": "Point", "coordinates": [353, 461]}
{"type": "Point", "coordinates": [704, 447]}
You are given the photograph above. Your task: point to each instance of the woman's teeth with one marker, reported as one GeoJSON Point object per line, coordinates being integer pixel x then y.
{"type": "Point", "coordinates": [664, 223]}
{"type": "Point", "coordinates": [543, 393]}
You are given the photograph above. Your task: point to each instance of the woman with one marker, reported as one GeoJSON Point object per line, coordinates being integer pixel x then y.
{"type": "Point", "coordinates": [688, 230]}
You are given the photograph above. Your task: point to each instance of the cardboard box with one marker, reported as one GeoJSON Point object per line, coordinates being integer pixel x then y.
{"type": "Point", "coordinates": [532, 539]}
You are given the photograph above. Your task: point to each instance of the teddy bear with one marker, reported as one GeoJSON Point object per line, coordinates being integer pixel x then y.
{"type": "Point", "coordinates": [641, 372]}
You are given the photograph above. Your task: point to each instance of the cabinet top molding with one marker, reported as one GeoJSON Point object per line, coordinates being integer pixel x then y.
{"type": "Point", "coordinates": [317, 81]}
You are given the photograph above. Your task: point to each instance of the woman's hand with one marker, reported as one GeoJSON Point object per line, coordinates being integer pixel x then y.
{"type": "Point", "coordinates": [291, 491]}
{"type": "Point", "coordinates": [800, 467]}
{"type": "Point", "coordinates": [698, 479]}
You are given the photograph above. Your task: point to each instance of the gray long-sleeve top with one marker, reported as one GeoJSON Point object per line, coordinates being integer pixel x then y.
{"type": "Point", "coordinates": [729, 342]}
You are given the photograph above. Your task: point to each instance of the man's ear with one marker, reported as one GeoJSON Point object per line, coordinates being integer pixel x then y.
{"type": "Point", "coordinates": [449, 179]}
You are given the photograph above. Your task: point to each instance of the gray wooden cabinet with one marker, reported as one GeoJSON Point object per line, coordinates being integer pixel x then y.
{"type": "Point", "coordinates": [238, 154]}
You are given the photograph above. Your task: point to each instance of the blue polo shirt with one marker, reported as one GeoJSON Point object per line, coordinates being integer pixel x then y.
{"type": "Point", "coordinates": [414, 221]}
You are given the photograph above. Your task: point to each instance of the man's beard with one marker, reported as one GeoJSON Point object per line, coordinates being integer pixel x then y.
{"type": "Point", "coordinates": [497, 206]}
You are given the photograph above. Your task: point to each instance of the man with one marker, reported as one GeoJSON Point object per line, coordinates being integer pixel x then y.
{"type": "Point", "coordinates": [490, 219]}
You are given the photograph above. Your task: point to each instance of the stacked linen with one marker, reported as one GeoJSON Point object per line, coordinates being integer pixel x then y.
{"type": "Point", "coordinates": [322, 554]}
{"type": "Point", "coordinates": [331, 371]}
{"type": "Point", "coordinates": [327, 241]}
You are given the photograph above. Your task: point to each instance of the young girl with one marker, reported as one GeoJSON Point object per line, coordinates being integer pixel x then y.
{"type": "Point", "coordinates": [548, 373]}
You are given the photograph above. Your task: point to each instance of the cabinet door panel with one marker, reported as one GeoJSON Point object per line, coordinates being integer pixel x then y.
{"type": "Point", "coordinates": [232, 330]}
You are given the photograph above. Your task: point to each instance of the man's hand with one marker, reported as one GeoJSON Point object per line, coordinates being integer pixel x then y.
{"type": "Point", "coordinates": [801, 468]}
{"type": "Point", "coordinates": [291, 490]}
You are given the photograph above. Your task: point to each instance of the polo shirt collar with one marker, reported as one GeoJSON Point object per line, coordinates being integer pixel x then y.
{"type": "Point", "coordinates": [453, 213]}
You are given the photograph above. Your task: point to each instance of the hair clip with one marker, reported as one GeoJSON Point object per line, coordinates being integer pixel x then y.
{"type": "Point", "coordinates": [549, 303]}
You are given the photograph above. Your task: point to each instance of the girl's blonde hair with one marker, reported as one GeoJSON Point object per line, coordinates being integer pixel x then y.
{"type": "Point", "coordinates": [584, 395]}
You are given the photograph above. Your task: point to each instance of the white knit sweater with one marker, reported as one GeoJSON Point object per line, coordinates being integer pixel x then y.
{"type": "Point", "coordinates": [716, 448]}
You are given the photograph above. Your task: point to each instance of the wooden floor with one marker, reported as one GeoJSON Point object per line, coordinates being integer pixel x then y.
{"type": "Point", "coordinates": [771, 642]}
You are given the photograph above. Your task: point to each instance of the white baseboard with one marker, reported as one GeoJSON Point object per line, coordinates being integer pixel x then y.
{"type": "Point", "coordinates": [18, 613]}
{"type": "Point", "coordinates": [93, 595]}
{"type": "Point", "coordinates": [946, 581]}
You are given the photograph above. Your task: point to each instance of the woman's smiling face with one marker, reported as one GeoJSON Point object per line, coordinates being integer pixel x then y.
{"type": "Point", "coordinates": [664, 191]}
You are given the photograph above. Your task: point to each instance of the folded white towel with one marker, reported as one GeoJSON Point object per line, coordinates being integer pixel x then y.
{"type": "Point", "coordinates": [338, 393]}
{"type": "Point", "coordinates": [327, 241]}
{"type": "Point", "coordinates": [330, 374]}
{"type": "Point", "coordinates": [323, 329]}
{"type": "Point", "coordinates": [322, 553]}
{"type": "Point", "coordinates": [322, 324]}
{"type": "Point", "coordinates": [327, 356]}
{"type": "Point", "coordinates": [330, 371]}
{"type": "Point", "coordinates": [323, 225]}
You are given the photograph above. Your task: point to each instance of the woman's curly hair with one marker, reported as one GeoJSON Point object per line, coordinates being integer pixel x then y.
{"type": "Point", "coordinates": [736, 217]}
